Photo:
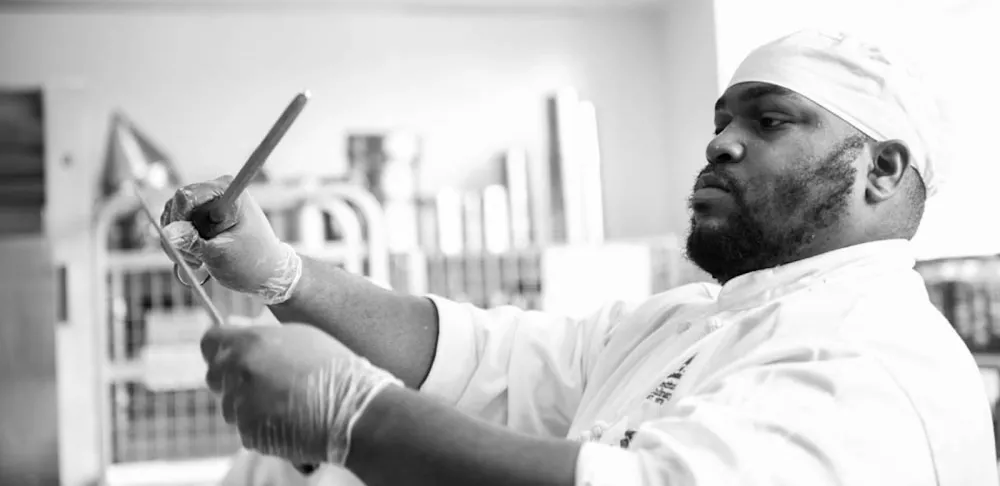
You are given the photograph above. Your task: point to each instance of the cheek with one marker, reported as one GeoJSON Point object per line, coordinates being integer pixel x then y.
{"type": "Point", "coordinates": [770, 174]}
{"type": "Point", "coordinates": [791, 193]}
{"type": "Point", "coordinates": [775, 199]}
{"type": "Point", "coordinates": [763, 163]}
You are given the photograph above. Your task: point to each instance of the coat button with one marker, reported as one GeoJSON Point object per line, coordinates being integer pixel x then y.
{"type": "Point", "coordinates": [598, 429]}
{"type": "Point", "coordinates": [714, 325]}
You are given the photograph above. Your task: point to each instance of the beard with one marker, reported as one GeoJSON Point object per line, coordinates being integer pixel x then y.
{"type": "Point", "coordinates": [776, 226]}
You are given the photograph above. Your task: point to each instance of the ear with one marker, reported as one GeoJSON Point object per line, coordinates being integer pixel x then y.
{"type": "Point", "coordinates": [890, 161]}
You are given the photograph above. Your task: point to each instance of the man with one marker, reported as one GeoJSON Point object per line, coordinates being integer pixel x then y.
{"type": "Point", "coordinates": [819, 360]}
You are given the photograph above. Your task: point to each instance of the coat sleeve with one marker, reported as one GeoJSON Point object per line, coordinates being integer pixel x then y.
{"type": "Point", "coordinates": [523, 369]}
{"type": "Point", "coordinates": [819, 422]}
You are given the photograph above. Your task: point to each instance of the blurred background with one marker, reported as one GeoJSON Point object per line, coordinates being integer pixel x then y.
{"type": "Point", "coordinates": [528, 152]}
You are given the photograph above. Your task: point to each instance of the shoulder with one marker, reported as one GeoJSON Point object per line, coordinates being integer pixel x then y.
{"type": "Point", "coordinates": [889, 306]}
{"type": "Point", "coordinates": [900, 313]}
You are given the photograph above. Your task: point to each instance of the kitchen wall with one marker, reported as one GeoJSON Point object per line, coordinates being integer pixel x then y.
{"type": "Point", "coordinates": [207, 83]}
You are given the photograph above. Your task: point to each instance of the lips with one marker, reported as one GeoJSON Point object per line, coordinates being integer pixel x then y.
{"type": "Point", "coordinates": [711, 181]}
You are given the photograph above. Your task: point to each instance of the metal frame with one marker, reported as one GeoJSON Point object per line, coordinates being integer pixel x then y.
{"type": "Point", "coordinates": [355, 211]}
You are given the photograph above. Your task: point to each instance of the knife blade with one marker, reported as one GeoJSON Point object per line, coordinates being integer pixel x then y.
{"type": "Point", "coordinates": [175, 255]}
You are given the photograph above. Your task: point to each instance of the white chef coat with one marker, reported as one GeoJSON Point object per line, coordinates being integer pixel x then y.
{"type": "Point", "coordinates": [834, 370]}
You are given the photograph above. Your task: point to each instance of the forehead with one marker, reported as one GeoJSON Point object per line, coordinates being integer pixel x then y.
{"type": "Point", "coordinates": [743, 93]}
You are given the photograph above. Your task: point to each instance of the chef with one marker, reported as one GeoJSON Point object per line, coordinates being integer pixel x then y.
{"type": "Point", "coordinates": [817, 358]}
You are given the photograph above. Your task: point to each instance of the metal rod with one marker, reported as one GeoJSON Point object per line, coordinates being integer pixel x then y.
{"type": "Point", "coordinates": [261, 153]}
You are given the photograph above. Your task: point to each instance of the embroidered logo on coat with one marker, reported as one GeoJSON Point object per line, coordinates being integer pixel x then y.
{"type": "Point", "coordinates": [662, 394]}
{"type": "Point", "coordinates": [665, 390]}
{"type": "Point", "coordinates": [627, 439]}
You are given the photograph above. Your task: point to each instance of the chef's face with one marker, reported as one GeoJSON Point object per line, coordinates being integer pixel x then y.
{"type": "Point", "coordinates": [780, 177]}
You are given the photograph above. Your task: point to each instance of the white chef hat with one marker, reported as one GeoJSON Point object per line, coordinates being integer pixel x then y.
{"type": "Point", "coordinates": [873, 90]}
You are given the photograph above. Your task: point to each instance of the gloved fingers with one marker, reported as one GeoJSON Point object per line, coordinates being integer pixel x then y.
{"type": "Point", "coordinates": [271, 436]}
{"type": "Point", "coordinates": [223, 349]}
{"type": "Point", "coordinates": [184, 237]}
{"type": "Point", "coordinates": [231, 402]}
{"type": "Point", "coordinates": [213, 379]}
{"type": "Point", "coordinates": [220, 369]}
{"type": "Point", "coordinates": [249, 428]}
{"type": "Point", "coordinates": [191, 196]}
{"type": "Point", "coordinates": [229, 408]}
{"type": "Point", "coordinates": [168, 211]}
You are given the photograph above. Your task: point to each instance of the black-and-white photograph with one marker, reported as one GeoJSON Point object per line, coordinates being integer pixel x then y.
{"type": "Point", "coordinates": [499, 242]}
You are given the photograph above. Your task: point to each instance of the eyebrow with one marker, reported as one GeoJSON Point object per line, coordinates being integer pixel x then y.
{"type": "Point", "coordinates": [755, 92]}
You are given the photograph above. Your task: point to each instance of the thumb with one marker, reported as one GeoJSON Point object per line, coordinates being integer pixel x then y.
{"type": "Point", "coordinates": [222, 342]}
{"type": "Point", "coordinates": [189, 197]}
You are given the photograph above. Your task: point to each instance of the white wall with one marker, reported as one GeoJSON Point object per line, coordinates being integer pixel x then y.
{"type": "Point", "coordinates": [690, 69]}
{"type": "Point", "coordinates": [956, 44]}
{"type": "Point", "coordinates": [207, 84]}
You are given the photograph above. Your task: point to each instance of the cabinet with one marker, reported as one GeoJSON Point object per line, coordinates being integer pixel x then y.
{"type": "Point", "coordinates": [29, 431]}
{"type": "Point", "coordinates": [51, 137]}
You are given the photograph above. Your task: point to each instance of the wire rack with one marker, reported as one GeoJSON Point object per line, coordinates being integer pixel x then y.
{"type": "Point", "coordinates": [153, 423]}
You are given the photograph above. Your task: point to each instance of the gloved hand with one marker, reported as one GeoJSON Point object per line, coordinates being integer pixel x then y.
{"type": "Point", "coordinates": [292, 391]}
{"type": "Point", "coordinates": [247, 258]}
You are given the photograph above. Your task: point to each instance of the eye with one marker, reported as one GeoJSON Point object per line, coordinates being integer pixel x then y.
{"type": "Point", "coordinates": [719, 128]}
{"type": "Point", "coordinates": [770, 123]}
{"type": "Point", "coordinates": [721, 121]}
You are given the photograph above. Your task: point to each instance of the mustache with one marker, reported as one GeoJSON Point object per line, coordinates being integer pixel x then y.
{"type": "Point", "coordinates": [729, 182]}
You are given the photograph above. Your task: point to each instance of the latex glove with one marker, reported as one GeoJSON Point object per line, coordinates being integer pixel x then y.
{"type": "Point", "coordinates": [292, 391]}
{"type": "Point", "coordinates": [247, 258]}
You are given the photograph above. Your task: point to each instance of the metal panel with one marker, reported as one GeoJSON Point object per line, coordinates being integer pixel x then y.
{"type": "Point", "coordinates": [29, 434]}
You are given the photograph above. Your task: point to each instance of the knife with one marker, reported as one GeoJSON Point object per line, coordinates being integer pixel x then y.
{"type": "Point", "coordinates": [175, 255]}
{"type": "Point", "coordinates": [199, 291]}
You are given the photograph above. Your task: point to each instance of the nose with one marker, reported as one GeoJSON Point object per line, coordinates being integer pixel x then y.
{"type": "Point", "coordinates": [724, 149]}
